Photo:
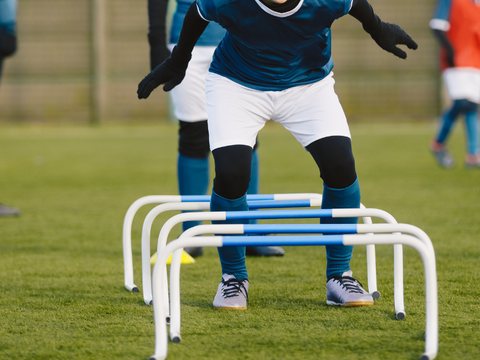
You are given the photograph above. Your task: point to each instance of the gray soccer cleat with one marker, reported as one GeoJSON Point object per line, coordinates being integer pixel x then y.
{"type": "Point", "coordinates": [231, 294]}
{"type": "Point", "coordinates": [444, 158]}
{"type": "Point", "coordinates": [8, 211]}
{"type": "Point", "coordinates": [264, 251]}
{"type": "Point", "coordinates": [346, 291]}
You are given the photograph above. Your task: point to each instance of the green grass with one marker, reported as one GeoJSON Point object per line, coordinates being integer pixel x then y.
{"type": "Point", "coordinates": [61, 262]}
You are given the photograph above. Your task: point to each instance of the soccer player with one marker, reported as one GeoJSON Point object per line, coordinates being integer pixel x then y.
{"type": "Point", "coordinates": [274, 63]}
{"type": "Point", "coordinates": [456, 24]}
{"type": "Point", "coordinates": [8, 46]}
{"type": "Point", "coordinates": [189, 106]}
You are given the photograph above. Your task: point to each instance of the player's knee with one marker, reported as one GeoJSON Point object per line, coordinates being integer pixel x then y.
{"type": "Point", "coordinates": [335, 160]}
{"type": "Point", "coordinates": [193, 139]}
{"type": "Point", "coordinates": [339, 174]}
{"type": "Point", "coordinates": [232, 170]}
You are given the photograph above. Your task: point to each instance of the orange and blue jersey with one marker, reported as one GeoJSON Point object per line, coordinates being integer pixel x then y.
{"type": "Point", "coordinates": [460, 19]}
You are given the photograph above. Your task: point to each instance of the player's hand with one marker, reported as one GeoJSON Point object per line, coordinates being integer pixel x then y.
{"type": "Point", "coordinates": [171, 73]}
{"type": "Point", "coordinates": [388, 36]}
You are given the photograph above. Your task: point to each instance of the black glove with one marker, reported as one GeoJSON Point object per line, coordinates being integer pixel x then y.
{"type": "Point", "coordinates": [8, 42]}
{"type": "Point", "coordinates": [388, 36]}
{"type": "Point", "coordinates": [171, 73]}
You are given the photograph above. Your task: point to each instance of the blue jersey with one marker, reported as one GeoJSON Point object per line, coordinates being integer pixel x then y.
{"type": "Point", "coordinates": [210, 37]}
{"type": "Point", "coordinates": [273, 51]}
{"type": "Point", "coordinates": [8, 14]}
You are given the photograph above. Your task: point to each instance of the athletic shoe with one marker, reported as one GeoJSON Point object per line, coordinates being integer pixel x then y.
{"type": "Point", "coordinates": [444, 158]}
{"type": "Point", "coordinates": [442, 155]}
{"type": "Point", "coordinates": [265, 251]}
{"type": "Point", "coordinates": [8, 211]}
{"type": "Point", "coordinates": [346, 291]}
{"type": "Point", "coordinates": [472, 161]}
{"type": "Point", "coordinates": [231, 294]}
{"type": "Point", "coordinates": [194, 251]}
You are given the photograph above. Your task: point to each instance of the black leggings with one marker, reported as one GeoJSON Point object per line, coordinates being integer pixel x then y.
{"type": "Point", "coordinates": [333, 156]}
{"type": "Point", "coordinates": [193, 139]}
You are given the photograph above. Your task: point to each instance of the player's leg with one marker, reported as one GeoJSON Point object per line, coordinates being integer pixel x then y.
{"type": "Point", "coordinates": [188, 100]}
{"type": "Point", "coordinates": [193, 171]}
{"type": "Point", "coordinates": [236, 115]}
{"type": "Point", "coordinates": [313, 114]}
{"type": "Point", "coordinates": [472, 134]}
{"type": "Point", "coordinates": [253, 188]}
{"type": "Point", "coordinates": [438, 144]}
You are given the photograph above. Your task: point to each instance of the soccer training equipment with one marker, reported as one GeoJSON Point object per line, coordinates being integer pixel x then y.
{"type": "Point", "coordinates": [346, 291]}
{"type": "Point", "coordinates": [232, 294]}
{"type": "Point", "coordinates": [371, 234]}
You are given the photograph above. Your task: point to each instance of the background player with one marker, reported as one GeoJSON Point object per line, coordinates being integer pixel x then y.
{"type": "Point", "coordinates": [189, 106]}
{"type": "Point", "coordinates": [8, 46]}
{"type": "Point", "coordinates": [275, 63]}
{"type": "Point", "coordinates": [456, 24]}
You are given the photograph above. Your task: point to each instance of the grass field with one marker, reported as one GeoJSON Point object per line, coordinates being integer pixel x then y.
{"type": "Point", "coordinates": [61, 264]}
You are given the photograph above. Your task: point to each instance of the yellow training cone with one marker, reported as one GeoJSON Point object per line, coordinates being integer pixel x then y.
{"type": "Point", "coordinates": [186, 259]}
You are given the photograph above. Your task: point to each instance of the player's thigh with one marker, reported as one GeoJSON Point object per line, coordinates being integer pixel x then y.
{"type": "Point", "coordinates": [235, 113]}
{"type": "Point", "coordinates": [312, 112]}
{"type": "Point", "coordinates": [188, 98]}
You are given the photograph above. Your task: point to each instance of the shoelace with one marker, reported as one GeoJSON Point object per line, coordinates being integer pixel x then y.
{"type": "Point", "coordinates": [350, 284]}
{"type": "Point", "coordinates": [232, 287]}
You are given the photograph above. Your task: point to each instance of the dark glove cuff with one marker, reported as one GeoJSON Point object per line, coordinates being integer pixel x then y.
{"type": "Point", "coordinates": [178, 59]}
{"type": "Point", "coordinates": [374, 25]}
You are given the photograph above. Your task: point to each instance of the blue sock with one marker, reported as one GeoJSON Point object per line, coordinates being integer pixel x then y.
{"type": "Point", "coordinates": [471, 128]}
{"type": "Point", "coordinates": [338, 256]}
{"type": "Point", "coordinates": [254, 186]}
{"type": "Point", "coordinates": [193, 179]}
{"type": "Point", "coordinates": [232, 258]}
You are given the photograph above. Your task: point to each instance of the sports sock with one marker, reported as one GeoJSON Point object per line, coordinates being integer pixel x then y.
{"type": "Point", "coordinates": [193, 179]}
{"type": "Point", "coordinates": [254, 185]}
{"type": "Point", "coordinates": [338, 256]}
{"type": "Point", "coordinates": [471, 128]}
{"type": "Point", "coordinates": [232, 258]}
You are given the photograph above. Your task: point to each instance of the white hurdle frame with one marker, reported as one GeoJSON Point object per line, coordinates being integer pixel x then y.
{"type": "Point", "coordinates": [365, 213]}
{"type": "Point", "coordinates": [201, 202]}
{"type": "Point", "coordinates": [241, 229]}
{"type": "Point", "coordinates": [423, 247]}
{"type": "Point", "coordinates": [161, 199]}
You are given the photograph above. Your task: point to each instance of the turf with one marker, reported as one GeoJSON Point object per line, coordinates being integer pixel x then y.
{"type": "Point", "coordinates": [61, 262]}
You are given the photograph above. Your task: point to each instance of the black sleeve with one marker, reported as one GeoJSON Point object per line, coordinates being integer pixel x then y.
{"type": "Point", "coordinates": [363, 12]}
{"type": "Point", "coordinates": [193, 27]}
{"type": "Point", "coordinates": [157, 13]}
{"type": "Point", "coordinates": [445, 43]}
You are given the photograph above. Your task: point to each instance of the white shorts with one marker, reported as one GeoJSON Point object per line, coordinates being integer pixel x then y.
{"type": "Point", "coordinates": [236, 113]}
{"type": "Point", "coordinates": [188, 98]}
{"type": "Point", "coordinates": [463, 83]}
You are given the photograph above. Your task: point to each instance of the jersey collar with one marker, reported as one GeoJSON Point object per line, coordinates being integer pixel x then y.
{"type": "Point", "coordinates": [279, 14]}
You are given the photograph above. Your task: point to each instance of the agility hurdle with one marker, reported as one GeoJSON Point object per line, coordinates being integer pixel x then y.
{"type": "Point", "coordinates": [201, 202]}
{"type": "Point", "coordinates": [185, 199]}
{"type": "Point", "coordinates": [422, 245]}
{"type": "Point", "coordinates": [363, 212]}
